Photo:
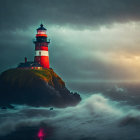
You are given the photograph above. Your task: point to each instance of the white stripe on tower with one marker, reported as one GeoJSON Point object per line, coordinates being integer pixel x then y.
{"type": "Point", "coordinates": [41, 53]}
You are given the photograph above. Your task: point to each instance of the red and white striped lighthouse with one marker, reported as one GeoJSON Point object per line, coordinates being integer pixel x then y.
{"type": "Point", "coordinates": [41, 47]}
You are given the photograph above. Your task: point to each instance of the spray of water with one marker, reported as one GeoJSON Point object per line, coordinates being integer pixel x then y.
{"type": "Point", "coordinates": [96, 117]}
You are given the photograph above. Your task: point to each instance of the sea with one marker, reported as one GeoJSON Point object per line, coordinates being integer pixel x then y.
{"type": "Point", "coordinates": [108, 111]}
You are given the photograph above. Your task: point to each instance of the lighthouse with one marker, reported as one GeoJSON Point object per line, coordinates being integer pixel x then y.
{"type": "Point", "coordinates": [41, 47]}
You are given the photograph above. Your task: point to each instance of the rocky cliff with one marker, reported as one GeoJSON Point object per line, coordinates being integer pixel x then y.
{"type": "Point", "coordinates": [35, 87]}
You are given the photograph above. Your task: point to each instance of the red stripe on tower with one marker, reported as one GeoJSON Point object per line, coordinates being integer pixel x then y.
{"type": "Point", "coordinates": [41, 47]}
{"type": "Point", "coordinates": [41, 35]}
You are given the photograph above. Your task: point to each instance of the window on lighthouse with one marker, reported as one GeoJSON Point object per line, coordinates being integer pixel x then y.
{"type": "Point", "coordinates": [41, 32]}
{"type": "Point", "coordinates": [39, 53]}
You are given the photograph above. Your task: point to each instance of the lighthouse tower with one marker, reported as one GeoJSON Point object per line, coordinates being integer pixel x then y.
{"type": "Point", "coordinates": [41, 47]}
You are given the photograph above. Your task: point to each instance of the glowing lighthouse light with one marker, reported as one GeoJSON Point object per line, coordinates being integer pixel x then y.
{"type": "Point", "coordinates": [41, 47]}
{"type": "Point", "coordinates": [41, 32]}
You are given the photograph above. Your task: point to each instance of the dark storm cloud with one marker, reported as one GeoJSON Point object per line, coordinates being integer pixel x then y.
{"type": "Point", "coordinates": [19, 19]}
{"type": "Point", "coordinates": [23, 13]}
{"type": "Point", "coordinates": [13, 48]}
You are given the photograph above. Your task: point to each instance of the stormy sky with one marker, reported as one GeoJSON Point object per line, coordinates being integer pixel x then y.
{"type": "Point", "coordinates": [92, 40]}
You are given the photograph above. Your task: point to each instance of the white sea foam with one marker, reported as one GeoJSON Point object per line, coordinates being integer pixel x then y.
{"type": "Point", "coordinates": [95, 117]}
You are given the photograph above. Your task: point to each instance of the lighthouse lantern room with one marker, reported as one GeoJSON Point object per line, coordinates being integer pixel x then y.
{"type": "Point", "coordinates": [41, 47]}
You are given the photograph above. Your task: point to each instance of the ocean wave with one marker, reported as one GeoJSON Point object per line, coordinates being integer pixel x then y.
{"type": "Point", "coordinates": [96, 117]}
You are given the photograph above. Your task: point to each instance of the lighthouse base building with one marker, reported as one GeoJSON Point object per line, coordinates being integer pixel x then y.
{"type": "Point", "coordinates": [41, 59]}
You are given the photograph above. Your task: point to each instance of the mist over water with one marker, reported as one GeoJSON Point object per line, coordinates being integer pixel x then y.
{"type": "Point", "coordinates": [97, 117]}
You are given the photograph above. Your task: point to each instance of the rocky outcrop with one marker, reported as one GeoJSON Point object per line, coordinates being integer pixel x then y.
{"type": "Point", "coordinates": [35, 87]}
